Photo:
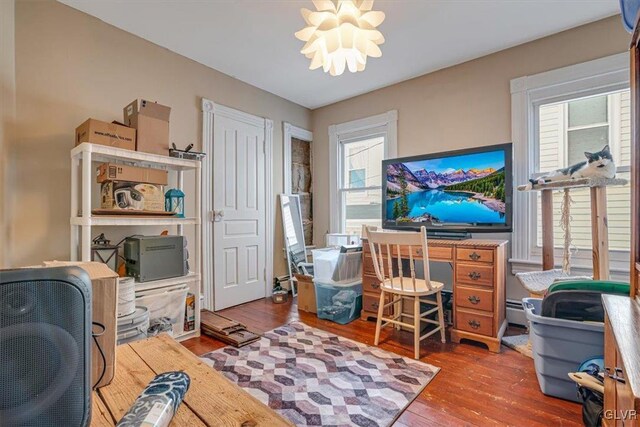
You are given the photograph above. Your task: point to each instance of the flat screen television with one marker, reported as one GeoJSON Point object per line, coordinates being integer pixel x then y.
{"type": "Point", "coordinates": [453, 192]}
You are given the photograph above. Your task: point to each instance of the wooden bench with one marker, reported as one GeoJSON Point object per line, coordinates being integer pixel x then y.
{"type": "Point", "coordinates": [212, 400]}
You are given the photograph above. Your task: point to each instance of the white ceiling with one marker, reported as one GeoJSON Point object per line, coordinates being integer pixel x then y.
{"type": "Point", "coordinates": [252, 40]}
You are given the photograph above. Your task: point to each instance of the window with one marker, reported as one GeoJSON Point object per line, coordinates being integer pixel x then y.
{"type": "Point", "coordinates": [361, 192]}
{"type": "Point", "coordinates": [591, 123]}
{"type": "Point", "coordinates": [557, 116]}
{"type": "Point", "coordinates": [358, 149]}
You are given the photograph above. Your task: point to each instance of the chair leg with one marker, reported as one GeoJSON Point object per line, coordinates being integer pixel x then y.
{"type": "Point", "coordinates": [397, 309]}
{"type": "Point", "coordinates": [416, 327]}
{"type": "Point", "coordinates": [440, 316]}
{"type": "Point", "coordinates": [379, 320]}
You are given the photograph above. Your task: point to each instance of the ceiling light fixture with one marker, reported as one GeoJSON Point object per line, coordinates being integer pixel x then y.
{"type": "Point", "coordinates": [341, 34]}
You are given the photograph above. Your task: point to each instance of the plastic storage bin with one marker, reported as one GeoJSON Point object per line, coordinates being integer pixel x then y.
{"type": "Point", "coordinates": [559, 346]}
{"type": "Point", "coordinates": [340, 303]}
{"type": "Point", "coordinates": [330, 266]}
{"type": "Point", "coordinates": [166, 309]}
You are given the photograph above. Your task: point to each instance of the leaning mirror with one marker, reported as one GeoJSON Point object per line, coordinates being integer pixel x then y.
{"type": "Point", "coordinates": [294, 243]}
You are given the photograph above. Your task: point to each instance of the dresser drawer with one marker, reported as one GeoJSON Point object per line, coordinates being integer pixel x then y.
{"type": "Point", "coordinates": [435, 252]}
{"type": "Point", "coordinates": [371, 303]}
{"type": "Point", "coordinates": [476, 322]}
{"type": "Point", "coordinates": [474, 274]}
{"type": "Point", "coordinates": [370, 284]}
{"type": "Point", "coordinates": [440, 253]}
{"type": "Point", "coordinates": [475, 255]}
{"type": "Point", "coordinates": [478, 299]}
{"type": "Point", "coordinates": [367, 265]}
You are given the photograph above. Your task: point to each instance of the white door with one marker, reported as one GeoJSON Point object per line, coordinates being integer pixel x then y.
{"type": "Point", "coordinates": [239, 212]}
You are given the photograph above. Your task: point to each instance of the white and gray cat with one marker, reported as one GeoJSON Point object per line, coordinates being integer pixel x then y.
{"type": "Point", "coordinates": [597, 165]}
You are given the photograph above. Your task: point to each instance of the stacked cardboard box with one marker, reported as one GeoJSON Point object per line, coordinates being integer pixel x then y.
{"type": "Point", "coordinates": [146, 129]}
{"type": "Point", "coordinates": [104, 301]}
{"type": "Point", "coordinates": [151, 120]}
{"type": "Point", "coordinates": [131, 188]}
{"type": "Point", "coordinates": [109, 134]}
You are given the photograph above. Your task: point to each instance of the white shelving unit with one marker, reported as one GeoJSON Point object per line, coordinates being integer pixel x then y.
{"type": "Point", "coordinates": [83, 159]}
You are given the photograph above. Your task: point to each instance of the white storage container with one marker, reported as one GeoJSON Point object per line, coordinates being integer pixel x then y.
{"type": "Point", "coordinates": [332, 267]}
{"type": "Point", "coordinates": [334, 240]}
{"type": "Point", "coordinates": [166, 309]}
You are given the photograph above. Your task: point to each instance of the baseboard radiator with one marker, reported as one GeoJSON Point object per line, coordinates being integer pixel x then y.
{"type": "Point", "coordinates": [515, 313]}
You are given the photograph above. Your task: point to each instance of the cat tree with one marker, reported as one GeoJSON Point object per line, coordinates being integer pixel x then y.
{"type": "Point", "coordinates": [537, 282]}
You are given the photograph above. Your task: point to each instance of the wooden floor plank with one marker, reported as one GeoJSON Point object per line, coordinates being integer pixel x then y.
{"type": "Point", "coordinates": [132, 376]}
{"type": "Point", "coordinates": [100, 416]}
{"type": "Point", "coordinates": [474, 386]}
{"type": "Point", "coordinates": [215, 399]}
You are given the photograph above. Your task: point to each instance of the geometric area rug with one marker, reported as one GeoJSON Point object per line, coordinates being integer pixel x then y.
{"type": "Point", "coordinates": [315, 378]}
{"type": "Point", "coordinates": [519, 343]}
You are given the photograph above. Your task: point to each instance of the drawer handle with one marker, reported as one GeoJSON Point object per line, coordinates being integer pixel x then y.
{"type": "Point", "coordinates": [474, 275]}
{"type": "Point", "coordinates": [419, 251]}
{"type": "Point", "coordinates": [473, 299]}
{"type": "Point", "coordinates": [375, 305]}
{"type": "Point", "coordinates": [474, 324]}
{"type": "Point", "coordinates": [375, 285]}
{"type": "Point", "coordinates": [475, 256]}
{"type": "Point", "coordinates": [616, 375]}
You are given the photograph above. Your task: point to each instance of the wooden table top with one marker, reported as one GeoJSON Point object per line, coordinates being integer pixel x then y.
{"type": "Point", "coordinates": [212, 400]}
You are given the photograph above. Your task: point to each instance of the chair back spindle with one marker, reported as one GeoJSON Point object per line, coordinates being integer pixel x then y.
{"type": "Point", "coordinates": [405, 243]}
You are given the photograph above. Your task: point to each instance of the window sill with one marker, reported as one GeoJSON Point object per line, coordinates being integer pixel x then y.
{"type": "Point", "coordinates": [619, 271]}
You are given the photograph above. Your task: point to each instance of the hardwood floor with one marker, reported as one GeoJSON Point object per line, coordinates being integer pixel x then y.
{"type": "Point", "coordinates": [473, 387]}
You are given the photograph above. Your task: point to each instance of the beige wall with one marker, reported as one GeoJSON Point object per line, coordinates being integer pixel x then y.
{"type": "Point", "coordinates": [7, 111]}
{"type": "Point", "coordinates": [462, 106]}
{"type": "Point", "coordinates": [71, 66]}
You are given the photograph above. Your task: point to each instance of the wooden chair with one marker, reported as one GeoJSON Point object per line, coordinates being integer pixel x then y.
{"type": "Point", "coordinates": [395, 247]}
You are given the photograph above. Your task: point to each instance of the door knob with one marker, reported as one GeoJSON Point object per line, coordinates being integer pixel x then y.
{"type": "Point", "coordinates": [218, 215]}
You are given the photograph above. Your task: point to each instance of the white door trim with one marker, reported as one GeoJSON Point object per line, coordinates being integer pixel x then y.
{"type": "Point", "coordinates": [290, 131]}
{"type": "Point", "coordinates": [209, 110]}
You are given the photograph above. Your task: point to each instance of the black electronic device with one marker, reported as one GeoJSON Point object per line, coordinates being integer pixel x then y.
{"type": "Point", "coordinates": [45, 347]}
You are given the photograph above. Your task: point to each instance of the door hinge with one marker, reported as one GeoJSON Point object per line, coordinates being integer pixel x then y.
{"type": "Point", "coordinates": [264, 146]}
{"type": "Point", "coordinates": [265, 274]}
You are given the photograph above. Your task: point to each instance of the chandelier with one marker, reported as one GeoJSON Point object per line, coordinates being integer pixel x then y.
{"type": "Point", "coordinates": [341, 34]}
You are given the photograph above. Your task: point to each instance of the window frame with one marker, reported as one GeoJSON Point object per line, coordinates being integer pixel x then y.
{"type": "Point", "coordinates": [528, 93]}
{"type": "Point", "coordinates": [382, 125]}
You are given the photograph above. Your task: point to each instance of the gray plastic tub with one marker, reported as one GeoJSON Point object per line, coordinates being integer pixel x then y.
{"type": "Point", "coordinates": [559, 346]}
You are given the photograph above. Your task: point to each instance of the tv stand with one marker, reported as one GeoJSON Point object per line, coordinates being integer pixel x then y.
{"type": "Point", "coordinates": [448, 235]}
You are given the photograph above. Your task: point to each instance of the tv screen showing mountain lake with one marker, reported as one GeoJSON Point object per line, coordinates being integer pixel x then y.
{"type": "Point", "coordinates": [459, 189]}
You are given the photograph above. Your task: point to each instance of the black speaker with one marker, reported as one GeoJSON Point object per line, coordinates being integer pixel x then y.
{"type": "Point", "coordinates": [45, 347]}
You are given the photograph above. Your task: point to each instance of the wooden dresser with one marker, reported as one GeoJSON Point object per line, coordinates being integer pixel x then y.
{"type": "Point", "coordinates": [479, 270]}
{"type": "Point", "coordinates": [622, 361]}
{"type": "Point", "coordinates": [622, 314]}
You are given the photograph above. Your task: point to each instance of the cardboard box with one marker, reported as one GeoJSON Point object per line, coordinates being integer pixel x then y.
{"type": "Point", "coordinates": [306, 293]}
{"type": "Point", "coordinates": [151, 120]}
{"type": "Point", "coordinates": [114, 172]}
{"type": "Point", "coordinates": [109, 134]}
{"type": "Point", "coordinates": [190, 313]}
{"type": "Point", "coordinates": [104, 297]}
{"type": "Point", "coordinates": [134, 196]}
